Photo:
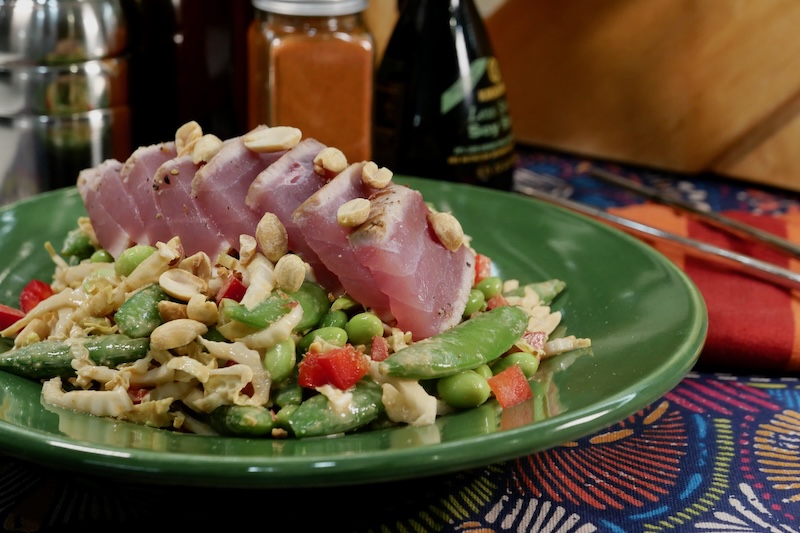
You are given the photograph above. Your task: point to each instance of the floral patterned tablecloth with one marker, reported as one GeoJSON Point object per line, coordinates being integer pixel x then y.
{"type": "Point", "coordinates": [718, 453]}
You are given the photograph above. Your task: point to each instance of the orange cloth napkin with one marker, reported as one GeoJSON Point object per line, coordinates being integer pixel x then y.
{"type": "Point", "coordinates": [753, 325]}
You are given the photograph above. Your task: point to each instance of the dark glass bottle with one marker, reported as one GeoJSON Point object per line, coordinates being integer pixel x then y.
{"type": "Point", "coordinates": [440, 105]}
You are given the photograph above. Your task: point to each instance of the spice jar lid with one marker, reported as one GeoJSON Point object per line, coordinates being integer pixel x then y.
{"type": "Point", "coordinates": [312, 8]}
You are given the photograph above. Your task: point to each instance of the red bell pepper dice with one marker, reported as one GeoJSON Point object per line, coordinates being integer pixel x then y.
{"type": "Point", "coordinates": [483, 268]}
{"type": "Point", "coordinates": [340, 367]}
{"type": "Point", "coordinates": [33, 293]}
{"type": "Point", "coordinates": [380, 348]}
{"type": "Point", "coordinates": [8, 316]}
{"type": "Point", "coordinates": [510, 387]}
{"type": "Point", "coordinates": [232, 289]}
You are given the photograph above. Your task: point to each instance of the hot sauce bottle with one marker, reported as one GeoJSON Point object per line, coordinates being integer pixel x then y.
{"type": "Point", "coordinates": [311, 66]}
{"type": "Point", "coordinates": [440, 104]}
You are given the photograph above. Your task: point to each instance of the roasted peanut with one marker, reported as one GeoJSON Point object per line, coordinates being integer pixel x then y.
{"type": "Point", "coordinates": [182, 284]}
{"type": "Point", "coordinates": [272, 237]}
{"type": "Point", "coordinates": [377, 178]}
{"type": "Point", "coordinates": [202, 310]}
{"type": "Point", "coordinates": [290, 272]}
{"type": "Point", "coordinates": [448, 229]}
{"type": "Point", "coordinates": [186, 136]}
{"type": "Point", "coordinates": [329, 162]}
{"type": "Point", "coordinates": [247, 248]}
{"type": "Point", "coordinates": [353, 212]}
{"type": "Point", "coordinates": [198, 264]}
{"type": "Point", "coordinates": [205, 148]}
{"type": "Point", "coordinates": [169, 310]}
{"type": "Point", "coordinates": [176, 333]}
{"type": "Point", "coordinates": [265, 140]}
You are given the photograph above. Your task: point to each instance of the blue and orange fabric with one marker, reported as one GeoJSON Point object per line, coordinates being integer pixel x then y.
{"type": "Point", "coordinates": [753, 325]}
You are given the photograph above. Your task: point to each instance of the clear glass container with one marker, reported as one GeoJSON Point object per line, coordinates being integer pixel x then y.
{"type": "Point", "coordinates": [311, 66]}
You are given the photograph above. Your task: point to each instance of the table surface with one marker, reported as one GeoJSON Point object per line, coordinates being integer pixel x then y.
{"type": "Point", "coordinates": [720, 452]}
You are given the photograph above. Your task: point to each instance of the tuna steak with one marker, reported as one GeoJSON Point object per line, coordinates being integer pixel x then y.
{"type": "Point", "coordinates": [426, 284]}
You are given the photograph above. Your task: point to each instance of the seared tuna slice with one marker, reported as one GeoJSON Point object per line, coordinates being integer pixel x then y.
{"type": "Point", "coordinates": [137, 180]}
{"type": "Point", "coordinates": [110, 233]}
{"type": "Point", "coordinates": [316, 218]}
{"type": "Point", "coordinates": [172, 187]}
{"type": "Point", "coordinates": [281, 188]}
{"type": "Point", "coordinates": [427, 284]}
{"type": "Point", "coordinates": [221, 185]}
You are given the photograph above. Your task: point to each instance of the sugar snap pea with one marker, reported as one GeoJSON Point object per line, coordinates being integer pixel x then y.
{"type": "Point", "coordinates": [77, 244]}
{"type": "Point", "coordinates": [51, 358]}
{"type": "Point", "coordinates": [139, 315]}
{"type": "Point", "coordinates": [262, 314]}
{"type": "Point", "coordinates": [468, 345]}
{"type": "Point", "coordinates": [547, 290]}
{"type": "Point", "coordinates": [311, 297]}
{"type": "Point", "coordinates": [242, 420]}
{"type": "Point", "coordinates": [316, 417]}
{"type": "Point", "coordinates": [315, 302]}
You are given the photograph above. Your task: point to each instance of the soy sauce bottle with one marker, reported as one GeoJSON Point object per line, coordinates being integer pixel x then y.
{"type": "Point", "coordinates": [440, 105]}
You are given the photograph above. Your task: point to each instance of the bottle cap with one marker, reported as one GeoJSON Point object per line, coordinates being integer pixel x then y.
{"type": "Point", "coordinates": [312, 8]}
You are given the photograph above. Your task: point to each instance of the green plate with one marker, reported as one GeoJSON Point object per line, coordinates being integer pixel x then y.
{"type": "Point", "coordinates": [646, 319]}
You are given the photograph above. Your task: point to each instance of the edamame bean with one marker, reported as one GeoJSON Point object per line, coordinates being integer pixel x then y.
{"type": "Point", "coordinates": [344, 303]}
{"type": "Point", "coordinates": [280, 360]}
{"type": "Point", "coordinates": [491, 286]}
{"type": "Point", "coordinates": [362, 327]}
{"type": "Point", "coordinates": [101, 256]}
{"type": "Point", "coordinates": [475, 302]}
{"type": "Point", "coordinates": [130, 258]}
{"type": "Point", "coordinates": [485, 371]}
{"type": "Point", "coordinates": [335, 318]}
{"type": "Point", "coordinates": [464, 390]}
{"type": "Point", "coordinates": [529, 363]}
{"type": "Point", "coordinates": [100, 273]}
{"type": "Point", "coordinates": [332, 335]}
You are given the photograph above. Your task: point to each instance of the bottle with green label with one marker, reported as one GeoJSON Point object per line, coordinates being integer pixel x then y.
{"type": "Point", "coordinates": [440, 101]}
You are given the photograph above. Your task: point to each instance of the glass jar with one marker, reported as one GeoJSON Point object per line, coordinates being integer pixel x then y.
{"type": "Point", "coordinates": [311, 66]}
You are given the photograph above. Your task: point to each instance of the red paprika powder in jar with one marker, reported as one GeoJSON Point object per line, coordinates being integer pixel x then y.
{"type": "Point", "coordinates": [311, 66]}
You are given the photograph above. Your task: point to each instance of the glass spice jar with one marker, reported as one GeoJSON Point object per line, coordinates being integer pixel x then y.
{"type": "Point", "coordinates": [311, 66]}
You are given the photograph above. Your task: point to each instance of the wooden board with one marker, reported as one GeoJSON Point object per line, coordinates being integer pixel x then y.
{"type": "Point", "coordinates": [684, 85]}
